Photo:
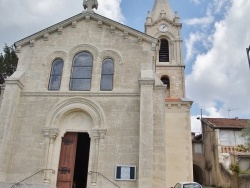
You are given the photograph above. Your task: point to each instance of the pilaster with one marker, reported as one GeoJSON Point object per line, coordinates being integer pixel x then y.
{"type": "Point", "coordinates": [159, 150]}
{"type": "Point", "coordinates": [8, 114]}
{"type": "Point", "coordinates": [98, 134]}
{"type": "Point", "coordinates": [146, 129]}
{"type": "Point", "coordinates": [50, 135]}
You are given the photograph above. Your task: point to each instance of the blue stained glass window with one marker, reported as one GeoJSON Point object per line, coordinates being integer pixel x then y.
{"type": "Point", "coordinates": [81, 74]}
{"type": "Point", "coordinates": [56, 75]}
{"type": "Point", "coordinates": [107, 75]}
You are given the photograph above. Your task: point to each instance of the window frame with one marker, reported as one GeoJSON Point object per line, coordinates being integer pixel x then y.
{"type": "Point", "coordinates": [161, 50]}
{"type": "Point", "coordinates": [85, 78]}
{"type": "Point", "coordinates": [125, 179]}
{"type": "Point", "coordinates": [105, 74]}
{"type": "Point", "coordinates": [52, 71]}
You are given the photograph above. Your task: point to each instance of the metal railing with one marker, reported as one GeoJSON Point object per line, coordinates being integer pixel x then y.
{"type": "Point", "coordinates": [92, 172]}
{"type": "Point", "coordinates": [17, 184]}
{"type": "Point", "coordinates": [53, 171]}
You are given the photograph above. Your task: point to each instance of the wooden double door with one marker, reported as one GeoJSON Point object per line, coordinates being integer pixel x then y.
{"type": "Point", "coordinates": [73, 163]}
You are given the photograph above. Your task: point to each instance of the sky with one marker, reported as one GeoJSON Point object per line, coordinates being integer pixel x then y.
{"type": "Point", "coordinates": [215, 36]}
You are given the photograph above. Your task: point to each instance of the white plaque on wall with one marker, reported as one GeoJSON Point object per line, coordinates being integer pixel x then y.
{"type": "Point", "coordinates": [125, 172]}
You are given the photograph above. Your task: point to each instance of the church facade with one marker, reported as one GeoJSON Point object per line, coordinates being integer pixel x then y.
{"type": "Point", "coordinates": [95, 103]}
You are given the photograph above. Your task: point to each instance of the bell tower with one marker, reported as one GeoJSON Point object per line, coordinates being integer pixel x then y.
{"type": "Point", "coordinates": [165, 25]}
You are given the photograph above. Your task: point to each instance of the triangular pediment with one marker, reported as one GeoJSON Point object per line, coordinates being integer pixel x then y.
{"type": "Point", "coordinates": [100, 20]}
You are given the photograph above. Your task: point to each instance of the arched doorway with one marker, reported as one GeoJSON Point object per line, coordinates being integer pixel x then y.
{"type": "Point", "coordinates": [74, 158]}
{"type": "Point", "coordinates": [74, 115]}
{"type": "Point", "coordinates": [198, 174]}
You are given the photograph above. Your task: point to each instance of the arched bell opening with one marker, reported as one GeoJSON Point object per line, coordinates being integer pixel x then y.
{"type": "Point", "coordinates": [165, 80]}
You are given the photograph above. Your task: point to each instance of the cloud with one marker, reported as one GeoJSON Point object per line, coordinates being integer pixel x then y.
{"type": "Point", "coordinates": [204, 21]}
{"type": "Point", "coordinates": [111, 9]}
{"type": "Point", "coordinates": [220, 5]}
{"type": "Point", "coordinates": [196, 124]}
{"type": "Point", "coordinates": [196, 2]}
{"type": "Point", "coordinates": [19, 19]}
{"type": "Point", "coordinates": [190, 44]}
{"type": "Point", "coordinates": [220, 78]}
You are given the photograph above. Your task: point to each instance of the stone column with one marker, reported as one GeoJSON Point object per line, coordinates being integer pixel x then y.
{"type": "Point", "coordinates": [50, 135]}
{"type": "Point", "coordinates": [97, 135]}
{"type": "Point", "coordinates": [146, 129]}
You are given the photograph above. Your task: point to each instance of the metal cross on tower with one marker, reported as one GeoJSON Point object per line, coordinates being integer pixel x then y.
{"type": "Point", "coordinates": [90, 4]}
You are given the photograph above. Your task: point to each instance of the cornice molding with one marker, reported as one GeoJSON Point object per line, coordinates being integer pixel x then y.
{"type": "Point", "coordinates": [171, 22]}
{"type": "Point", "coordinates": [178, 102]}
{"type": "Point", "coordinates": [78, 94]}
{"type": "Point", "coordinates": [14, 82]}
{"type": "Point", "coordinates": [145, 81]}
{"type": "Point", "coordinates": [169, 65]}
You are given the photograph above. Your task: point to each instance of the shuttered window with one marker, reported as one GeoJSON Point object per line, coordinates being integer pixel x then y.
{"type": "Point", "coordinates": [164, 51]}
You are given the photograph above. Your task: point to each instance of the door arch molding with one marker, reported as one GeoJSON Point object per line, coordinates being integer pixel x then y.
{"type": "Point", "coordinates": [53, 133]}
{"type": "Point", "coordinates": [89, 106]}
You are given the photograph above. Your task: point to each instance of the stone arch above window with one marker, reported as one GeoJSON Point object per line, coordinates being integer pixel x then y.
{"type": "Point", "coordinates": [83, 47]}
{"type": "Point", "coordinates": [53, 56]}
{"type": "Point", "coordinates": [56, 75]}
{"type": "Point", "coordinates": [111, 53]}
{"type": "Point", "coordinates": [107, 75]}
{"type": "Point", "coordinates": [166, 35]}
{"type": "Point", "coordinates": [81, 74]}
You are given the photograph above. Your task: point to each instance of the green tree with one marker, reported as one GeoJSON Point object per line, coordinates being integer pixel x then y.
{"type": "Point", "coordinates": [8, 63]}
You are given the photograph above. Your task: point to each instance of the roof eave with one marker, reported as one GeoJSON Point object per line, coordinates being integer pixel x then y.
{"type": "Point", "coordinates": [81, 16]}
{"type": "Point", "coordinates": [224, 127]}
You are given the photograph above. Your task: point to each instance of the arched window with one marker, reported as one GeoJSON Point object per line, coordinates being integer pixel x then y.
{"type": "Point", "coordinates": [81, 73]}
{"type": "Point", "coordinates": [56, 75]}
{"type": "Point", "coordinates": [107, 75]}
{"type": "Point", "coordinates": [165, 81]}
{"type": "Point", "coordinates": [164, 51]}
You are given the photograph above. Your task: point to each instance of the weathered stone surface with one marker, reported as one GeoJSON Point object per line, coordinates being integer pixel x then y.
{"type": "Point", "coordinates": [130, 125]}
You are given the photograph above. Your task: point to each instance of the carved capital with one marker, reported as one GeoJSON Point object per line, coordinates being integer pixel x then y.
{"type": "Point", "coordinates": [51, 133]}
{"type": "Point", "coordinates": [99, 133]}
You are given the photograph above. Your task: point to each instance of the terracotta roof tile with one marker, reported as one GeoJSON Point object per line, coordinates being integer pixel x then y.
{"type": "Point", "coordinates": [241, 154]}
{"type": "Point", "coordinates": [227, 123]}
{"type": "Point", "coordinates": [173, 100]}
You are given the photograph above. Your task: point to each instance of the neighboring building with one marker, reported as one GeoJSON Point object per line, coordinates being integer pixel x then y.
{"type": "Point", "coordinates": [91, 98]}
{"type": "Point", "coordinates": [217, 148]}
